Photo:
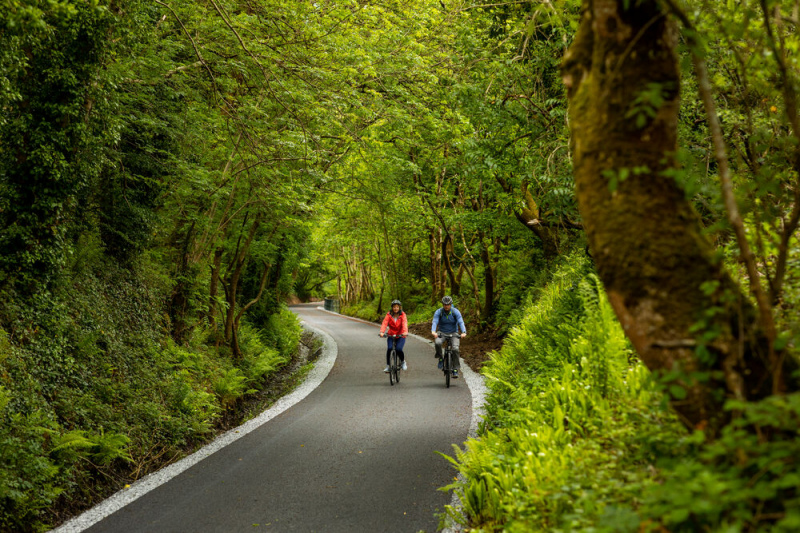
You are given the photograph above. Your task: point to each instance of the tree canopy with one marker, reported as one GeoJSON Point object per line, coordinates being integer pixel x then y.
{"type": "Point", "coordinates": [173, 173]}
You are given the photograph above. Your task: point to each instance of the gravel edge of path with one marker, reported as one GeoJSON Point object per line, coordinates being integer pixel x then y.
{"type": "Point", "coordinates": [321, 369]}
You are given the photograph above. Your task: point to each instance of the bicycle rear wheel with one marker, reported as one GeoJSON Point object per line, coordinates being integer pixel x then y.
{"type": "Point", "coordinates": [392, 367]}
{"type": "Point", "coordinates": [396, 367]}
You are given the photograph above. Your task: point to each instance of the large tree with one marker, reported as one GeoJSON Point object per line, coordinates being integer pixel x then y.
{"type": "Point", "coordinates": [683, 312]}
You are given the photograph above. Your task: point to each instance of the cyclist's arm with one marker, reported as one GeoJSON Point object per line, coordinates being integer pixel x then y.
{"type": "Point", "coordinates": [403, 324]}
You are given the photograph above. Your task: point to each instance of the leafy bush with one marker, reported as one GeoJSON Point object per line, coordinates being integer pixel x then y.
{"type": "Point", "coordinates": [283, 331]}
{"type": "Point", "coordinates": [577, 437]}
{"type": "Point", "coordinates": [573, 426]}
{"type": "Point", "coordinates": [41, 460]}
{"type": "Point", "coordinates": [423, 312]}
{"type": "Point", "coordinates": [91, 389]}
{"type": "Point", "coordinates": [230, 386]}
{"type": "Point", "coordinates": [365, 310]}
{"type": "Point", "coordinates": [746, 480]}
{"type": "Point", "coordinates": [29, 479]}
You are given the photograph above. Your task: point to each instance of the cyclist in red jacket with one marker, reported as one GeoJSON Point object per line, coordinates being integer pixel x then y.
{"type": "Point", "coordinates": [395, 323]}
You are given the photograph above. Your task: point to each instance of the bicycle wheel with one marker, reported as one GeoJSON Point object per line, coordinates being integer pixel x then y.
{"type": "Point", "coordinates": [446, 368]}
{"type": "Point", "coordinates": [396, 367]}
{"type": "Point", "coordinates": [392, 369]}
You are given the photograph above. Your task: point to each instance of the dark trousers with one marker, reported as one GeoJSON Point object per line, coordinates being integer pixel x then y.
{"type": "Point", "coordinates": [401, 341]}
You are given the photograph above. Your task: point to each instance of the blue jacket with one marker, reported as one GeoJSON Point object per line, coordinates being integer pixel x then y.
{"type": "Point", "coordinates": [448, 322]}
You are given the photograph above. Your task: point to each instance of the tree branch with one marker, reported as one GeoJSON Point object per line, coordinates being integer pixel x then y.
{"type": "Point", "coordinates": [729, 197]}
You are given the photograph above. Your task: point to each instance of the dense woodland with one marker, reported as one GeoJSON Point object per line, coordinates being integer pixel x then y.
{"type": "Point", "coordinates": [611, 186]}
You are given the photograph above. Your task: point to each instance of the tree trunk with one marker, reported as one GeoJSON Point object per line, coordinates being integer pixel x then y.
{"type": "Point", "coordinates": [476, 294]}
{"type": "Point", "coordinates": [232, 288]}
{"type": "Point", "coordinates": [488, 284]}
{"type": "Point", "coordinates": [393, 278]}
{"type": "Point", "coordinates": [436, 286]}
{"type": "Point", "coordinates": [447, 247]}
{"type": "Point", "coordinates": [383, 278]}
{"type": "Point", "coordinates": [657, 266]}
{"type": "Point", "coordinates": [237, 351]}
{"type": "Point", "coordinates": [549, 235]}
{"type": "Point", "coordinates": [179, 301]}
{"type": "Point", "coordinates": [214, 286]}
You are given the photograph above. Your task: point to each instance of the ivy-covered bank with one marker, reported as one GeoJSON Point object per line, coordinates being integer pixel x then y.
{"type": "Point", "coordinates": [578, 436]}
{"type": "Point", "coordinates": [94, 393]}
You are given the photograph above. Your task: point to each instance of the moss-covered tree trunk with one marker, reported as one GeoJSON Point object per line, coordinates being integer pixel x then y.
{"type": "Point", "coordinates": [622, 77]}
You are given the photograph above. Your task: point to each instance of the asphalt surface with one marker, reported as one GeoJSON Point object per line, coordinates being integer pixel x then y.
{"type": "Point", "coordinates": [355, 455]}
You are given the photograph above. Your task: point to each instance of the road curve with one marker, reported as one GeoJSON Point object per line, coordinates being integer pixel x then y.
{"type": "Point", "coordinates": [355, 455]}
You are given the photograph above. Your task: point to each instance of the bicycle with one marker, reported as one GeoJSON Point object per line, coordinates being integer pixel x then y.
{"type": "Point", "coordinates": [447, 357]}
{"type": "Point", "coordinates": [394, 365]}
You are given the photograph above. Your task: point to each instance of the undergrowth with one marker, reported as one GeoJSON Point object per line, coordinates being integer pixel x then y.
{"type": "Point", "coordinates": [94, 394]}
{"type": "Point", "coordinates": [578, 436]}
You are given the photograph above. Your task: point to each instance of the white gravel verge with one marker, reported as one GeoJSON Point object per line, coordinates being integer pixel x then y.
{"type": "Point", "coordinates": [322, 366]}
{"type": "Point", "coordinates": [477, 386]}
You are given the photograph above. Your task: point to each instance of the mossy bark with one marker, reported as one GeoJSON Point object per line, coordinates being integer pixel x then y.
{"type": "Point", "coordinates": [646, 239]}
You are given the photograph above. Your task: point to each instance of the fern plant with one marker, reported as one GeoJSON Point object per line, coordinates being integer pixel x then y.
{"type": "Point", "coordinates": [230, 386]}
{"type": "Point", "coordinates": [109, 447]}
{"type": "Point", "coordinates": [569, 419]}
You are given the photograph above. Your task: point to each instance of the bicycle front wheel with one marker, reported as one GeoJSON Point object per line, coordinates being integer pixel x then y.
{"type": "Point", "coordinates": [447, 370]}
{"type": "Point", "coordinates": [392, 367]}
{"type": "Point", "coordinates": [395, 367]}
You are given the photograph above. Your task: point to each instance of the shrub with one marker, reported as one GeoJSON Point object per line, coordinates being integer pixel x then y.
{"type": "Point", "coordinates": [230, 386]}
{"type": "Point", "coordinates": [746, 480]}
{"type": "Point", "coordinates": [282, 331]}
{"type": "Point", "coordinates": [260, 360]}
{"type": "Point", "coordinates": [572, 426]}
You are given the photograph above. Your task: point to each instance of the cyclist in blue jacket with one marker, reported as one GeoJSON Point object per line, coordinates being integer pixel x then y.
{"type": "Point", "coordinates": [448, 319]}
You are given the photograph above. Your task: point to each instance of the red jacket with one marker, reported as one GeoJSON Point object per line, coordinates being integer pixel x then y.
{"type": "Point", "coordinates": [397, 326]}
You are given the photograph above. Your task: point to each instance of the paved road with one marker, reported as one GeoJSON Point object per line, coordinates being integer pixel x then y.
{"type": "Point", "coordinates": [355, 455]}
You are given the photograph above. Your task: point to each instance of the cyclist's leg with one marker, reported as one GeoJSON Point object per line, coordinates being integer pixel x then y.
{"type": "Point", "coordinates": [438, 344]}
{"type": "Point", "coordinates": [389, 345]}
{"type": "Point", "coordinates": [454, 346]}
{"type": "Point", "coordinates": [399, 347]}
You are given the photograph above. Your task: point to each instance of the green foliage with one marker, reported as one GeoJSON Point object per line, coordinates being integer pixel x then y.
{"type": "Point", "coordinates": [283, 331]}
{"type": "Point", "coordinates": [647, 103]}
{"type": "Point", "coordinates": [423, 311]}
{"type": "Point", "coordinates": [51, 140]}
{"type": "Point", "coordinates": [574, 423]}
{"type": "Point", "coordinates": [96, 386]}
{"type": "Point", "coordinates": [365, 310]}
{"type": "Point", "coordinates": [30, 481]}
{"type": "Point", "coordinates": [416, 305]}
{"type": "Point", "coordinates": [261, 360]}
{"type": "Point", "coordinates": [107, 448]}
{"type": "Point", "coordinates": [746, 480]}
{"type": "Point", "coordinates": [577, 437]}
{"type": "Point", "coordinates": [142, 147]}
{"type": "Point", "coordinates": [41, 460]}
{"type": "Point", "coordinates": [524, 274]}
{"type": "Point", "coordinates": [230, 386]}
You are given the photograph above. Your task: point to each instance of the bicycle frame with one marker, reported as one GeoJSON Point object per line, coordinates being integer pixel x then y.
{"type": "Point", "coordinates": [394, 365]}
{"type": "Point", "coordinates": [447, 356]}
